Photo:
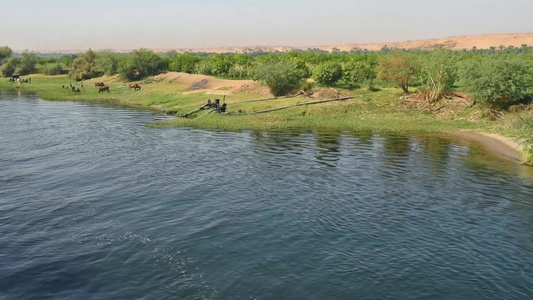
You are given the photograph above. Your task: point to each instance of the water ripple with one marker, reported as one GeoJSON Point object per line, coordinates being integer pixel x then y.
{"type": "Point", "coordinates": [93, 204]}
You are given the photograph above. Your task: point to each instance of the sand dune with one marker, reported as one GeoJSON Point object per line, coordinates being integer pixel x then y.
{"type": "Point", "coordinates": [484, 41]}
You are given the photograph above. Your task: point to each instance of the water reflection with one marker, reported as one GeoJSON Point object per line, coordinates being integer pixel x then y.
{"type": "Point", "coordinates": [328, 144]}
{"type": "Point", "coordinates": [91, 201]}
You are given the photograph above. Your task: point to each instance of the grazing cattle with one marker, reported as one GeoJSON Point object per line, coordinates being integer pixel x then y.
{"type": "Point", "coordinates": [103, 88]}
{"type": "Point", "coordinates": [135, 86]}
{"type": "Point", "coordinates": [100, 84]}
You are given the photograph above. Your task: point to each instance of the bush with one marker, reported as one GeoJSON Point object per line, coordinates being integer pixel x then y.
{"type": "Point", "coordinates": [84, 67]}
{"type": "Point", "coordinates": [438, 73]}
{"type": "Point", "coordinates": [106, 62]}
{"type": "Point", "coordinates": [184, 63]}
{"type": "Point", "coordinates": [141, 63]}
{"type": "Point", "coordinates": [327, 73]}
{"type": "Point", "coordinates": [5, 53]}
{"type": "Point", "coordinates": [398, 67]}
{"type": "Point", "coordinates": [27, 63]}
{"type": "Point", "coordinates": [496, 81]}
{"type": "Point", "coordinates": [9, 67]}
{"type": "Point", "coordinates": [357, 73]}
{"type": "Point", "coordinates": [281, 76]}
{"type": "Point", "coordinates": [51, 69]}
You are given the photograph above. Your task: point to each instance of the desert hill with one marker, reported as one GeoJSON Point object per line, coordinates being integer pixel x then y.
{"type": "Point", "coordinates": [484, 41]}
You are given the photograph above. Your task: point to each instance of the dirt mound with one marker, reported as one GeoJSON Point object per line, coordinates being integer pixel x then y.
{"type": "Point", "coordinates": [194, 83]}
{"type": "Point", "coordinates": [202, 84]}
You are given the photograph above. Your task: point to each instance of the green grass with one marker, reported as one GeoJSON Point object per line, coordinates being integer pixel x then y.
{"type": "Point", "coordinates": [378, 111]}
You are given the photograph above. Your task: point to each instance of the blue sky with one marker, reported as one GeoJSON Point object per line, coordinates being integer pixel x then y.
{"type": "Point", "coordinates": [97, 24]}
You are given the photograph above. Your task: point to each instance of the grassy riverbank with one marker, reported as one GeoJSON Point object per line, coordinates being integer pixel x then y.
{"type": "Point", "coordinates": [179, 93]}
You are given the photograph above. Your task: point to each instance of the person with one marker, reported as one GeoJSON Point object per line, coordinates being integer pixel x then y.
{"type": "Point", "coordinates": [222, 108]}
{"type": "Point", "coordinates": [18, 81]}
{"type": "Point", "coordinates": [81, 85]}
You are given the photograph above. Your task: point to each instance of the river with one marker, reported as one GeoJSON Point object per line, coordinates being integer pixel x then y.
{"type": "Point", "coordinates": [96, 205]}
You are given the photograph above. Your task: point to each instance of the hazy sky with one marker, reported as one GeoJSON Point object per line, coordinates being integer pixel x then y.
{"type": "Point", "coordinates": [98, 24]}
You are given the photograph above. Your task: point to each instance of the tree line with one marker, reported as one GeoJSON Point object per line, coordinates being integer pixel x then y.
{"type": "Point", "coordinates": [496, 77]}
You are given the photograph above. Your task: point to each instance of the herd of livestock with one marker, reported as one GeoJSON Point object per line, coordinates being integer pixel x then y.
{"type": "Point", "coordinates": [102, 87]}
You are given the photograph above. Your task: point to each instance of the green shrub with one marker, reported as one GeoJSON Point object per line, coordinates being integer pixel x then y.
{"type": "Point", "coordinates": [281, 76]}
{"type": "Point", "coordinates": [497, 81]}
{"type": "Point", "coordinates": [184, 63]}
{"type": "Point", "coordinates": [9, 67]}
{"type": "Point", "coordinates": [84, 67]}
{"type": "Point", "coordinates": [141, 63]}
{"type": "Point", "coordinates": [5, 53]}
{"type": "Point", "coordinates": [26, 63]}
{"type": "Point", "coordinates": [398, 67]}
{"type": "Point", "coordinates": [438, 73]}
{"type": "Point", "coordinates": [51, 69]}
{"type": "Point", "coordinates": [357, 73]}
{"type": "Point", "coordinates": [327, 73]}
{"type": "Point", "coordinates": [106, 62]}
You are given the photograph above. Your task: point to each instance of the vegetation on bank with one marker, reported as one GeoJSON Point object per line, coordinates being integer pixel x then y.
{"type": "Point", "coordinates": [433, 91]}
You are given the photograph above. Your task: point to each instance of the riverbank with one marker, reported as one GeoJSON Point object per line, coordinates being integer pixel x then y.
{"type": "Point", "coordinates": [498, 144]}
{"type": "Point", "coordinates": [384, 110]}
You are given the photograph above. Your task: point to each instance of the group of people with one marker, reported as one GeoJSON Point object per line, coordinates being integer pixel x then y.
{"type": "Point", "coordinates": [73, 88]}
{"type": "Point", "coordinates": [19, 80]}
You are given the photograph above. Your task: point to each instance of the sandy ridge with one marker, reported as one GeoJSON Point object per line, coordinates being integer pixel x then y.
{"type": "Point", "coordinates": [484, 41]}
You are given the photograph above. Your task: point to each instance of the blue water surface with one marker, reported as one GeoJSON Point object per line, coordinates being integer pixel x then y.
{"type": "Point", "coordinates": [96, 205]}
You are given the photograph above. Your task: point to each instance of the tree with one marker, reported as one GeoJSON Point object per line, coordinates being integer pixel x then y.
{"type": "Point", "coordinates": [497, 81]}
{"type": "Point", "coordinates": [28, 60]}
{"type": "Point", "coordinates": [398, 67]}
{"type": "Point", "coordinates": [438, 73]}
{"type": "Point", "coordinates": [184, 63]}
{"type": "Point", "coordinates": [142, 63]}
{"type": "Point", "coordinates": [106, 61]}
{"type": "Point", "coordinates": [327, 73]}
{"type": "Point", "coordinates": [281, 76]}
{"type": "Point", "coordinates": [10, 66]}
{"type": "Point", "coordinates": [5, 53]}
{"type": "Point", "coordinates": [84, 67]}
{"type": "Point", "coordinates": [51, 69]}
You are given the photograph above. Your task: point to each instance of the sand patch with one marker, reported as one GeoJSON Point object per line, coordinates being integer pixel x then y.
{"type": "Point", "coordinates": [500, 145]}
{"type": "Point", "coordinates": [194, 83]}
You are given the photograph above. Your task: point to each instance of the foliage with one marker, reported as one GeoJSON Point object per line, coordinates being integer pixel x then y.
{"type": "Point", "coordinates": [438, 73]}
{"type": "Point", "coordinates": [51, 69]}
{"type": "Point", "coordinates": [141, 63]}
{"type": "Point", "coordinates": [327, 73]}
{"type": "Point", "coordinates": [497, 81]}
{"type": "Point", "coordinates": [5, 53]}
{"type": "Point", "coordinates": [280, 76]}
{"type": "Point", "coordinates": [398, 67]}
{"type": "Point", "coordinates": [106, 62]}
{"type": "Point", "coordinates": [84, 67]}
{"type": "Point", "coordinates": [27, 63]}
{"type": "Point", "coordinates": [526, 136]}
{"type": "Point", "coordinates": [360, 72]}
{"type": "Point", "coordinates": [184, 63]}
{"type": "Point", "coordinates": [9, 67]}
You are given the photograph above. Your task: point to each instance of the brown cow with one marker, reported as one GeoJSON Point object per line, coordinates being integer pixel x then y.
{"type": "Point", "coordinates": [135, 86]}
{"type": "Point", "coordinates": [98, 84]}
{"type": "Point", "coordinates": [103, 88]}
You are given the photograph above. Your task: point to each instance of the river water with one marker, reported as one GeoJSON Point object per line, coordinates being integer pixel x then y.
{"type": "Point", "coordinates": [96, 205]}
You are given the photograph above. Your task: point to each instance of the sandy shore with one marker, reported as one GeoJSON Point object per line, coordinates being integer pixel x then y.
{"type": "Point", "coordinates": [500, 145]}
